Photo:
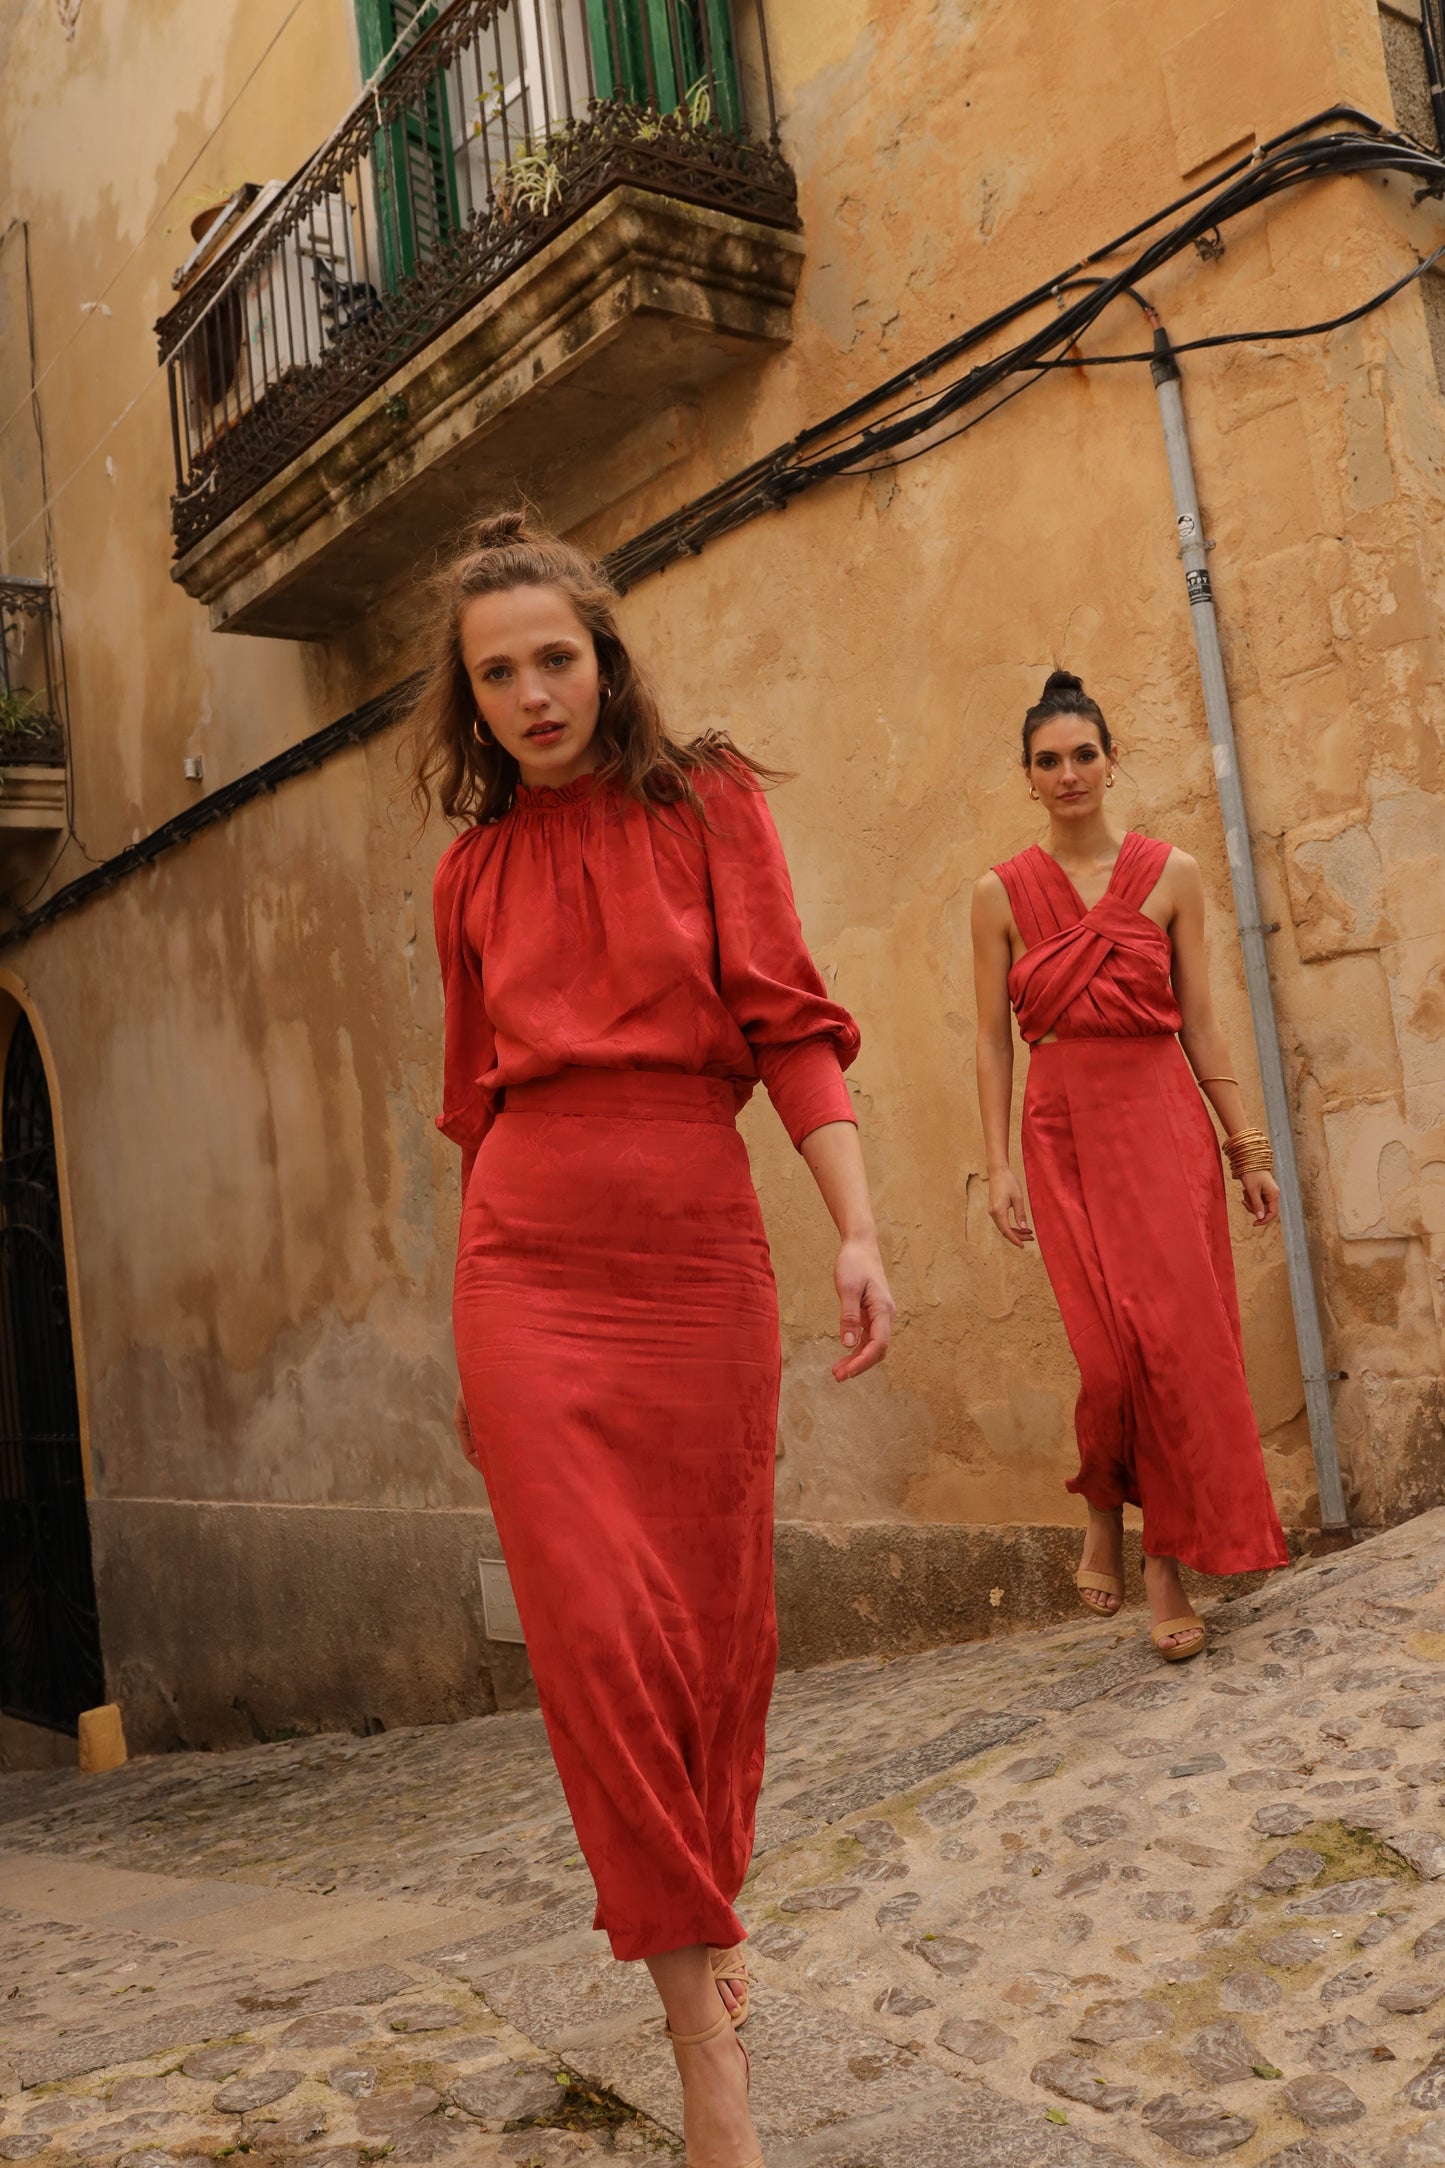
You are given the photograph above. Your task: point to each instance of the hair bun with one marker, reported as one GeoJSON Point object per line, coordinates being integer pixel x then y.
{"type": "Point", "coordinates": [500, 531]}
{"type": "Point", "coordinates": [1062, 681]}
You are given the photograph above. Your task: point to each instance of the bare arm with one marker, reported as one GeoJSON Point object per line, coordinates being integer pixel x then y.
{"type": "Point", "coordinates": [1201, 1035]}
{"type": "Point", "coordinates": [994, 1057]}
{"type": "Point", "coordinates": [865, 1324]}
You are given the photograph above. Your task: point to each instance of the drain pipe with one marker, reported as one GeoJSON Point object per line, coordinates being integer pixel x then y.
{"type": "Point", "coordinates": [1168, 384]}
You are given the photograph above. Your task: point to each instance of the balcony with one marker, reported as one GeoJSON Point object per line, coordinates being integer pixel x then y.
{"type": "Point", "coordinates": [32, 743]}
{"type": "Point", "coordinates": [515, 267]}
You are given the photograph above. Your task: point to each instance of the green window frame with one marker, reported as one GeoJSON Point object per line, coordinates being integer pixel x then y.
{"type": "Point", "coordinates": [417, 209]}
{"type": "Point", "coordinates": [623, 30]}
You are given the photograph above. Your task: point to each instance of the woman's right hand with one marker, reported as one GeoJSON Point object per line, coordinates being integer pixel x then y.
{"type": "Point", "coordinates": [462, 1426]}
{"type": "Point", "coordinates": [1008, 1208]}
{"type": "Point", "coordinates": [865, 1307]}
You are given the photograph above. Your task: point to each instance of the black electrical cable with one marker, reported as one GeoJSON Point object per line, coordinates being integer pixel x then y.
{"type": "Point", "coordinates": [942, 355]}
{"type": "Point", "coordinates": [904, 459]}
{"type": "Point", "coordinates": [1250, 338]}
{"type": "Point", "coordinates": [835, 447]}
{"type": "Point", "coordinates": [1284, 163]}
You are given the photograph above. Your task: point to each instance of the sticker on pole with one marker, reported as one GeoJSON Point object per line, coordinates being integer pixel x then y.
{"type": "Point", "coordinates": [1199, 587]}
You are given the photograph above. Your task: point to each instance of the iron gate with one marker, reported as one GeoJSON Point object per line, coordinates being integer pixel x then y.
{"type": "Point", "coordinates": [50, 1666]}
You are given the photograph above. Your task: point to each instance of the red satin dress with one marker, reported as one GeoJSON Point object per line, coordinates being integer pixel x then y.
{"type": "Point", "coordinates": [617, 981]}
{"type": "Point", "coordinates": [1128, 1201]}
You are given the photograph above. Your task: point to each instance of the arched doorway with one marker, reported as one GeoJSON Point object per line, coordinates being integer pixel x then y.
{"type": "Point", "coordinates": [50, 1667]}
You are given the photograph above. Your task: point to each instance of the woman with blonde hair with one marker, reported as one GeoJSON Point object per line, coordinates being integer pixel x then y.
{"type": "Point", "coordinates": [622, 963]}
{"type": "Point", "coordinates": [1096, 939]}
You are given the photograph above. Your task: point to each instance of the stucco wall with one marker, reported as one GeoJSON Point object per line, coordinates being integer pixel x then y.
{"type": "Point", "coordinates": [246, 1039]}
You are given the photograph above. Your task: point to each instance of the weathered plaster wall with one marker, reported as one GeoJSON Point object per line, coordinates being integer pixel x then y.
{"type": "Point", "coordinates": [247, 1037]}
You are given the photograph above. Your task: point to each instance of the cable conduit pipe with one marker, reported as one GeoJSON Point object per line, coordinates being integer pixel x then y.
{"type": "Point", "coordinates": [1169, 386]}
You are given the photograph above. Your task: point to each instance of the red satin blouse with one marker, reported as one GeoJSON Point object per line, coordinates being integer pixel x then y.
{"type": "Point", "coordinates": [586, 930]}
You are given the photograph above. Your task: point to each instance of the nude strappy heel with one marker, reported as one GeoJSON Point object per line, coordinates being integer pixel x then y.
{"type": "Point", "coordinates": [1108, 1584]}
{"type": "Point", "coordinates": [732, 1966]}
{"type": "Point", "coordinates": [704, 2039]}
{"type": "Point", "coordinates": [1177, 1626]}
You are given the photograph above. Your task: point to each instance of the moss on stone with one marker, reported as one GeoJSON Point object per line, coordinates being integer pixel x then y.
{"type": "Point", "coordinates": [1350, 1853]}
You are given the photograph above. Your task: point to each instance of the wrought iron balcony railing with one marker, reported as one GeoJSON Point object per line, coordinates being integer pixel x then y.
{"type": "Point", "coordinates": [493, 126]}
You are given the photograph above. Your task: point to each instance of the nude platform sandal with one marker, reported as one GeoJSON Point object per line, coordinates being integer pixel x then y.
{"type": "Point", "coordinates": [682, 2041]}
{"type": "Point", "coordinates": [1107, 1584]}
{"type": "Point", "coordinates": [1175, 1626]}
{"type": "Point", "coordinates": [732, 1966]}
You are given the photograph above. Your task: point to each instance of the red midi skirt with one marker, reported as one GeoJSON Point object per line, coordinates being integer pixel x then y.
{"type": "Point", "coordinates": [1128, 1202]}
{"type": "Point", "coordinates": [617, 1336]}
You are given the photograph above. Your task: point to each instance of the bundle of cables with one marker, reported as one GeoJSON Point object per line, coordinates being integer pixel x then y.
{"type": "Point", "coordinates": [867, 434]}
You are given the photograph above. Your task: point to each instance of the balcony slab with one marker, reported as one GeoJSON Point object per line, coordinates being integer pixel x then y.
{"type": "Point", "coordinates": [32, 795]}
{"type": "Point", "coordinates": [593, 344]}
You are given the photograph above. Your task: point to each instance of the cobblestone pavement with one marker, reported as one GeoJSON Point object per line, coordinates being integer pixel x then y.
{"type": "Point", "coordinates": [1039, 1902]}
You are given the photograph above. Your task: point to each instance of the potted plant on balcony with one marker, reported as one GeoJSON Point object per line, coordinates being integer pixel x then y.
{"type": "Point", "coordinates": [533, 182]}
{"type": "Point", "coordinates": [23, 722]}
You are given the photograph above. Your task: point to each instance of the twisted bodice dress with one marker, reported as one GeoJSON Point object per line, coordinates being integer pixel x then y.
{"type": "Point", "coordinates": [1128, 1200]}
{"type": "Point", "coordinates": [1100, 973]}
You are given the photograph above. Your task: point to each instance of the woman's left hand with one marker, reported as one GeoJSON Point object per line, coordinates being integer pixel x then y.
{"type": "Point", "coordinates": [865, 1321]}
{"type": "Point", "coordinates": [1261, 1196]}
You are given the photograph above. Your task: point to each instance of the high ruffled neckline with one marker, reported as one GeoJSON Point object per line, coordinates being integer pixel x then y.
{"type": "Point", "coordinates": [555, 798]}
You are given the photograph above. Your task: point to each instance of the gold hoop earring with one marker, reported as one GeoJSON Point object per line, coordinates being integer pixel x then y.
{"type": "Point", "coordinates": [1033, 794]}
{"type": "Point", "coordinates": [1109, 785]}
{"type": "Point", "coordinates": [482, 736]}
{"type": "Point", "coordinates": [606, 695]}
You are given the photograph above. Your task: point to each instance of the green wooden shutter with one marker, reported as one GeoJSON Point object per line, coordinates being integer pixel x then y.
{"type": "Point", "coordinates": [627, 33]}
{"type": "Point", "coordinates": [416, 184]}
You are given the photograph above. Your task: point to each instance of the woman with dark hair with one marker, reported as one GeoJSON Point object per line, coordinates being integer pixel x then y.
{"type": "Point", "coordinates": [622, 963]}
{"type": "Point", "coordinates": [1096, 939]}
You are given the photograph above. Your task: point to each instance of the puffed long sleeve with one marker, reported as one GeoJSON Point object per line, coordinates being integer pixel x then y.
{"type": "Point", "coordinates": [800, 1039]}
{"type": "Point", "coordinates": [470, 1051]}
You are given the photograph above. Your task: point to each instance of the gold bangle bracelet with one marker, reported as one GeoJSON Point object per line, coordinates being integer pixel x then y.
{"type": "Point", "coordinates": [1249, 1152]}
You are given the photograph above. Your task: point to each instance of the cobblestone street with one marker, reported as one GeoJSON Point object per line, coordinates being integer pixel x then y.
{"type": "Point", "coordinates": [1034, 1901]}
